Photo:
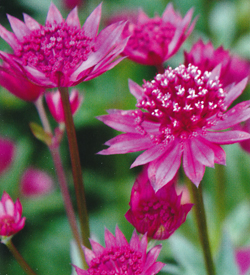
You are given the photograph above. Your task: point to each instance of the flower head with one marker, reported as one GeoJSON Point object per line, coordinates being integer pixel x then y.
{"type": "Point", "coordinates": [54, 102]}
{"type": "Point", "coordinates": [154, 40]}
{"type": "Point", "coordinates": [11, 220]}
{"type": "Point", "coordinates": [35, 183]}
{"type": "Point", "coordinates": [7, 151]}
{"type": "Point", "coordinates": [121, 257]}
{"type": "Point", "coordinates": [185, 110]}
{"type": "Point", "coordinates": [206, 57]}
{"type": "Point", "coordinates": [12, 79]}
{"type": "Point", "coordinates": [242, 256]}
{"type": "Point", "coordinates": [61, 53]}
{"type": "Point", "coordinates": [159, 213]}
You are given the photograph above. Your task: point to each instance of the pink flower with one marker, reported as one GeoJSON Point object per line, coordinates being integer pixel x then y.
{"type": "Point", "coordinates": [35, 183]}
{"type": "Point", "coordinates": [11, 220]}
{"type": "Point", "coordinates": [242, 256]}
{"type": "Point", "coordinates": [159, 213]}
{"type": "Point", "coordinates": [185, 110]}
{"type": "Point", "coordinates": [204, 56]}
{"type": "Point", "coordinates": [121, 257]}
{"type": "Point", "coordinates": [7, 152]}
{"type": "Point", "coordinates": [54, 102]}
{"type": "Point", "coordinates": [61, 53]}
{"type": "Point", "coordinates": [15, 82]}
{"type": "Point", "coordinates": [155, 40]}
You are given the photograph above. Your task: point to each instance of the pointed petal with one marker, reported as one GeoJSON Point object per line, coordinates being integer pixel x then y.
{"type": "Point", "coordinates": [142, 16]}
{"type": "Point", "coordinates": [79, 271]}
{"type": "Point", "coordinates": [134, 241]}
{"type": "Point", "coordinates": [228, 137]}
{"type": "Point", "coordinates": [91, 24]}
{"type": "Point", "coordinates": [168, 14]}
{"type": "Point", "coordinates": [166, 166]}
{"type": "Point", "coordinates": [54, 16]}
{"type": "Point", "coordinates": [30, 22]}
{"type": "Point", "coordinates": [110, 240]}
{"type": "Point", "coordinates": [18, 27]}
{"type": "Point", "coordinates": [9, 37]}
{"type": "Point", "coordinates": [73, 19]}
{"type": "Point", "coordinates": [237, 114]}
{"type": "Point", "coordinates": [135, 89]}
{"type": "Point", "coordinates": [120, 239]}
{"type": "Point", "coordinates": [149, 155]}
{"type": "Point", "coordinates": [203, 153]}
{"type": "Point", "coordinates": [192, 167]}
{"type": "Point", "coordinates": [235, 91]}
{"type": "Point", "coordinates": [154, 269]}
{"type": "Point", "coordinates": [152, 256]}
{"type": "Point", "coordinates": [215, 73]}
{"type": "Point", "coordinates": [96, 247]}
{"type": "Point", "coordinates": [89, 254]}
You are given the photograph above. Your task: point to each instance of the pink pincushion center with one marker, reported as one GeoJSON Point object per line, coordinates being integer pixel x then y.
{"type": "Point", "coordinates": [54, 48]}
{"type": "Point", "coordinates": [183, 101]}
{"type": "Point", "coordinates": [117, 260]}
{"type": "Point", "coordinates": [154, 32]}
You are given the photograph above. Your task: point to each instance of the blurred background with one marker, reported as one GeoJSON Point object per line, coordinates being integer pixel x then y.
{"type": "Point", "coordinates": [45, 240]}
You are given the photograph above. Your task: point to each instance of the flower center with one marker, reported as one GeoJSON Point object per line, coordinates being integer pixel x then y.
{"type": "Point", "coordinates": [117, 261]}
{"type": "Point", "coordinates": [154, 31]}
{"type": "Point", "coordinates": [183, 101]}
{"type": "Point", "coordinates": [55, 48]}
{"type": "Point", "coordinates": [6, 224]}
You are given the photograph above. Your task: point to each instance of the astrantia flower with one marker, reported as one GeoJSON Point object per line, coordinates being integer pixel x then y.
{"type": "Point", "coordinates": [121, 257]}
{"type": "Point", "coordinates": [7, 151]}
{"type": "Point", "coordinates": [11, 220]}
{"type": "Point", "coordinates": [12, 79]}
{"type": "Point", "coordinates": [54, 102]}
{"type": "Point", "coordinates": [159, 213]}
{"type": "Point", "coordinates": [61, 53]}
{"type": "Point", "coordinates": [154, 40]}
{"type": "Point", "coordinates": [242, 256]}
{"type": "Point", "coordinates": [35, 183]}
{"type": "Point", "coordinates": [184, 109]}
{"type": "Point", "coordinates": [206, 57]}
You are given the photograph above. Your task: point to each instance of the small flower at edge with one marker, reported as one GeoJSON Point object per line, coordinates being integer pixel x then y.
{"type": "Point", "coordinates": [118, 254]}
{"type": "Point", "coordinates": [54, 102]}
{"type": "Point", "coordinates": [185, 111]}
{"type": "Point", "coordinates": [159, 213]}
{"type": "Point", "coordinates": [242, 256]}
{"type": "Point", "coordinates": [11, 220]}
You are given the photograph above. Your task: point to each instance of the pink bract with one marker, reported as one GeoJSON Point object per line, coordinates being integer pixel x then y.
{"type": "Point", "coordinates": [35, 183]}
{"type": "Point", "coordinates": [7, 152]}
{"type": "Point", "coordinates": [54, 102]}
{"type": "Point", "coordinates": [206, 57]}
{"type": "Point", "coordinates": [242, 256]}
{"type": "Point", "coordinates": [245, 144]}
{"type": "Point", "coordinates": [12, 79]}
{"type": "Point", "coordinates": [159, 213]}
{"type": "Point", "coordinates": [154, 40]}
{"type": "Point", "coordinates": [121, 257]}
{"type": "Point", "coordinates": [185, 111]}
{"type": "Point", "coordinates": [61, 53]}
{"type": "Point", "coordinates": [11, 220]}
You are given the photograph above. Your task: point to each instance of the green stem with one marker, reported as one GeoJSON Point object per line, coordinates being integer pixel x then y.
{"type": "Point", "coordinates": [197, 198]}
{"type": "Point", "coordinates": [24, 265]}
{"type": "Point", "coordinates": [76, 167]}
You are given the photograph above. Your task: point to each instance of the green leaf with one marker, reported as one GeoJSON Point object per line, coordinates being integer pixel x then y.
{"type": "Point", "coordinates": [40, 134]}
{"type": "Point", "coordinates": [225, 261]}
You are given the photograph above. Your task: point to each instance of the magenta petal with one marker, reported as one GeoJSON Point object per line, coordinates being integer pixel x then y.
{"type": "Point", "coordinates": [235, 91]}
{"type": "Point", "coordinates": [149, 155]}
{"type": "Point", "coordinates": [96, 247]}
{"type": "Point", "coordinates": [203, 153]}
{"type": "Point", "coordinates": [109, 239]}
{"type": "Point", "coordinates": [120, 239]}
{"type": "Point", "coordinates": [18, 27]}
{"type": "Point", "coordinates": [73, 19]}
{"type": "Point", "coordinates": [79, 271]}
{"type": "Point", "coordinates": [226, 137]}
{"type": "Point", "coordinates": [215, 72]}
{"type": "Point", "coordinates": [192, 167]}
{"type": "Point", "coordinates": [91, 24]}
{"type": "Point", "coordinates": [152, 256]}
{"type": "Point", "coordinates": [168, 14]}
{"type": "Point", "coordinates": [155, 268]}
{"type": "Point", "coordinates": [9, 37]}
{"type": "Point", "coordinates": [237, 114]}
{"type": "Point", "coordinates": [135, 241]}
{"type": "Point", "coordinates": [54, 16]}
{"type": "Point", "coordinates": [135, 89]}
{"type": "Point", "coordinates": [89, 254]}
{"type": "Point", "coordinates": [169, 163]}
{"type": "Point", "coordinates": [31, 23]}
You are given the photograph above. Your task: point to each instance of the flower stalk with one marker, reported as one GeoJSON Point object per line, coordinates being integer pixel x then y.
{"type": "Point", "coordinates": [199, 210]}
{"type": "Point", "coordinates": [24, 265]}
{"type": "Point", "coordinates": [76, 167]}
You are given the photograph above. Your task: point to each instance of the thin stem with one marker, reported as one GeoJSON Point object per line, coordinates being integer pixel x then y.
{"type": "Point", "coordinates": [76, 167]}
{"type": "Point", "coordinates": [67, 201]}
{"type": "Point", "coordinates": [42, 114]}
{"type": "Point", "coordinates": [197, 198]}
{"type": "Point", "coordinates": [220, 189]}
{"type": "Point", "coordinates": [24, 265]}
